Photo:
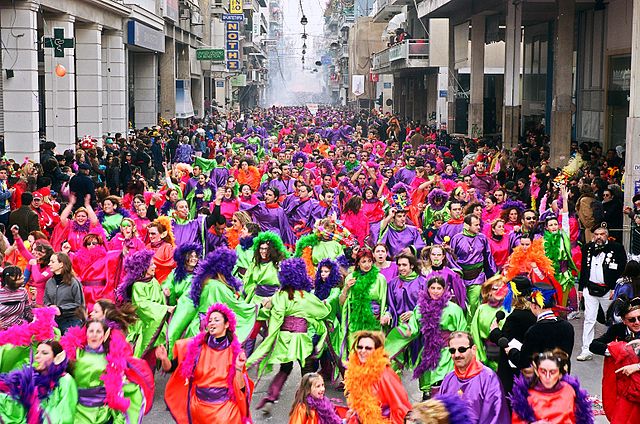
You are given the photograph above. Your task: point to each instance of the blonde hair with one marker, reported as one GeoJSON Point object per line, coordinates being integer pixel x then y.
{"type": "Point", "coordinates": [431, 411]}
{"type": "Point", "coordinates": [376, 336]}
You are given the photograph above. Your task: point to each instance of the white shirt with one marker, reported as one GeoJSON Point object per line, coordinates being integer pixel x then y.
{"type": "Point", "coordinates": [596, 275]}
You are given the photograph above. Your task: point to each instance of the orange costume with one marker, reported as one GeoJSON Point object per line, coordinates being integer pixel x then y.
{"type": "Point", "coordinates": [299, 415]}
{"type": "Point", "coordinates": [375, 393]}
{"type": "Point", "coordinates": [163, 258]}
{"type": "Point", "coordinates": [556, 407]}
{"type": "Point", "coordinates": [206, 397]}
{"type": "Point", "coordinates": [251, 176]}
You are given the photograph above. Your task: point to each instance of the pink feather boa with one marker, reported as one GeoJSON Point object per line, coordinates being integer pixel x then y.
{"type": "Point", "coordinates": [188, 365]}
{"type": "Point", "coordinates": [38, 330]}
{"type": "Point", "coordinates": [113, 377]}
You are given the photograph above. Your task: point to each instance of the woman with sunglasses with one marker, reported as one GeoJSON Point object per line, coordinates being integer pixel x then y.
{"type": "Point", "coordinates": [90, 267]}
{"type": "Point", "coordinates": [621, 349]}
{"type": "Point", "coordinates": [42, 392]}
{"type": "Point", "coordinates": [552, 395]}
{"type": "Point", "coordinates": [434, 317]}
{"type": "Point", "coordinates": [374, 392]}
{"type": "Point", "coordinates": [295, 320]}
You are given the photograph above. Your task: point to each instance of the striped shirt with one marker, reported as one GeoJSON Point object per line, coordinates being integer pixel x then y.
{"type": "Point", "coordinates": [15, 307]}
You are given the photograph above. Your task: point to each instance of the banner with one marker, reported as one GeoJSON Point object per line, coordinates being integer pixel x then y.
{"type": "Point", "coordinates": [235, 6]}
{"type": "Point", "coordinates": [357, 85]}
{"type": "Point", "coordinates": [232, 45]}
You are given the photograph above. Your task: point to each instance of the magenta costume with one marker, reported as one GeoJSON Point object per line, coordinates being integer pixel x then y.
{"type": "Point", "coordinates": [483, 393]}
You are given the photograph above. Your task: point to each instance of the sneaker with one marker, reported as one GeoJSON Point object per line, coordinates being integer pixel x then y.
{"type": "Point", "coordinates": [585, 356]}
{"type": "Point", "coordinates": [574, 315]}
{"type": "Point", "coordinates": [267, 408]}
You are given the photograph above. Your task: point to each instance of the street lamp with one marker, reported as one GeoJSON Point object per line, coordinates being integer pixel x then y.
{"type": "Point", "coordinates": [304, 20]}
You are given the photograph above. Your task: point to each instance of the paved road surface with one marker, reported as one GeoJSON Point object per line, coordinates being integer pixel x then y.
{"type": "Point", "coordinates": [590, 374]}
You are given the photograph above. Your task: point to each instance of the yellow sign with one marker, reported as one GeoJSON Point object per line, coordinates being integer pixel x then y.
{"type": "Point", "coordinates": [235, 7]}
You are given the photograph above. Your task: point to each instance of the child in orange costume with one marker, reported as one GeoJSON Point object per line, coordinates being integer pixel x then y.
{"type": "Point", "coordinates": [311, 406]}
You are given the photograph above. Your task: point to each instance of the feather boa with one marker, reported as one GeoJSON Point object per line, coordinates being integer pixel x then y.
{"type": "Point", "coordinates": [293, 274]}
{"type": "Point", "coordinates": [113, 378]}
{"type": "Point", "coordinates": [219, 262]}
{"type": "Point", "coordinates": [135, 268]}
{"type": "Point", "coordinates": [20, 384]}
{"type": "Point", "coordinates": [323, 287]}
{"type": "Point", "coordinates": [188, 365]}
{"type": "Point", "coordinates": [358, 381]}
{"type": "Point", "coordinates": [431, 311]}
{"type": "Point", "coordinates": [433, 195]}
{"type": "Point", "coordinates": [38, 330]}
{"type": "Point", "coordinates": [325, 411]}
{"type": "Point", "coordinates": [522, 408]}
{"type": "Point", "coordinates": [77, 228]}
{"type": "Point", "coordinates": [180, 257]}
{"type": "Point", "coordinates": [457, 408]}
{"type": "Point", "coordinates": [361, 316]}
{"type": "Point", "coordinates": [514, 204]}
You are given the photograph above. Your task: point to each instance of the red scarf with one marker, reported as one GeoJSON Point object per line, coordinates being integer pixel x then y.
{"type": "Point", "coordinates": [273, 205]}
{"type": "Point", "coordinates": [473, 369]}
{"type": "Point", "coordinates": [455, 221]}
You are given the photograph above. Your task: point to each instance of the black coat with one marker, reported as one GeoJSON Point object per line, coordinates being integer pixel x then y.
{"type": "Point", "coordinates": [515, 327]}
{"type": "Point", "coordinates": [544, 335]}
{"type": "Point", "coordinates": [617, 332]}
{"type": "Point", "coordinates": [611, 269]}
{"type": "Point", "coordinates": [81, 185]}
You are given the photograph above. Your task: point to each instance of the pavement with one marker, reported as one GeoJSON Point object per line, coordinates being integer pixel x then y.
{"type": "Point", "coordinates": [589, 373]}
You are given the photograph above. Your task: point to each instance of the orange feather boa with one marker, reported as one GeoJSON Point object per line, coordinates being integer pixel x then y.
{"type": "Point", "coordinates": [521, 259]}
{"type": "Point", "coordinates": [358, 382]}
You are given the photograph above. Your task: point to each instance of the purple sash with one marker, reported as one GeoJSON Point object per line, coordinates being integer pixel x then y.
{"type": "Point", "coordinates": [375, 308]}
{"type": "Point", "coordinates": [294, 324]}
{"type": "Point", "coordinates": [92, 397]}
{"type": "Point", "coordinates": [265, 290]}
{"type": "Point", "coordinates": [212, 394]}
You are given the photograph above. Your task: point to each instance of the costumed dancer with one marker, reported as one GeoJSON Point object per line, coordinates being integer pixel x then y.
{"type": "Point", "coordinates": [436, 264]}
{"type": "Point", "coordinates": [113, 387]}
{"type": "Point", "coordinates": [39, 393]}
{"type": "Point", "coordinates": [209, 384]}
{"type": "Point", "coordinates": [387, 268]}
{"type": "Point", "coordinates": [213, 282]}
{"type": "Point", "coordinates": [90, 265]}
{"type": "Point", "coordinates": [119, 317]}
{"type": "Point", "coordinates": [374, 391]}
{"type": "Point", "coordinates": [552, 396]}
{"type": "Point", "coordinates": [261, 279]}
{"type": "Point", "coordinates": [296, 315]}
{"type": "Point", "coordinates": [162, 243]}
{"type": "Point", "coordinates": [397, 235]}
{"type": "Point", "coordinates": [143, 291]}
{"type": "Point", "coordinates": [433, 319]}
{"type": "Point", "coordinates": [18, 341]}
{"type": "Point", "coordinates": [310, 405]}
{"type": "Point", "coordinates": [111, 215]}
{"type": "Point", "coordinates": [403, 291]}
{"type": "Point", "coordinates": [178, 282]}
{"type": "Point", "coordinates": [493, 292]}
{"type": "Point", "coordinates": [271, 216]}
{"type": "Point", "coordinates": [363, 300]}
{"type": "Point", "coordinates": [74, 231]}
{"type": "Point", "coordinates": [557, 247]}
{"type": "Point", "coordinates": [127, 237]}
{"type": "Point", "coordinates": [244, 249]}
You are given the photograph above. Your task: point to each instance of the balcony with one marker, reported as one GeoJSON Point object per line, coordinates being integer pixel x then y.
{"type": "Point", "coordinates": [217, 7]}
{"type": "Point", "coordinates": [409, 54]}
{"type": "Point", "coordinates": [384, 10]}
{"type": "Point", "coordinates": [347, 18]}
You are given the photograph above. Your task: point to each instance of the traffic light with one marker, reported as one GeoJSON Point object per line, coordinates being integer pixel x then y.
{"type": "Point", "coordinates": [379, 100]}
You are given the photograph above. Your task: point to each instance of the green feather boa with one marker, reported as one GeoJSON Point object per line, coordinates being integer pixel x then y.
{"type": "Point", "coordinates": [310, 240]}
{"type": "Point", "coordinates": [361, 317]}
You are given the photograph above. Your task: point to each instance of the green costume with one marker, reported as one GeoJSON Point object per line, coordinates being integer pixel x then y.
{"type": "Point", "coordinates": [429, 214]}
{"type": "Point", "coordinates": [285, 346]}
{"type": "Point", "coordinates": [557, 247]}
{"type": "Point", "coordinates": [13, 357]}
{"type": "Point", "coordinates": [245, 257]}
{"type": "Point", "coordinates": [151, 309]}
{"type": "Point", "coordinates": [260, 274]}
{"type": "Point", "coordinates": [326, 249]}
{"type": "Point", "coordinates": [399, 338]}
{"type": "Point", "coordinates": [480, 329]}
{"type": "Point", "coordinates": [111, 223]}
{"type": "Point", "coordinates": [185, 321]}
{"type": "Point", "coordinates": [59, 407]}
{"type": "Point", "coordinates": [357, 314]}
{"type": "Point", "coordinates": [177, 288]}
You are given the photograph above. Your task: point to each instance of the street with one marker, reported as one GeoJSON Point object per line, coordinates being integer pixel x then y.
{"type": "Point", "coordinates": [589, 373]}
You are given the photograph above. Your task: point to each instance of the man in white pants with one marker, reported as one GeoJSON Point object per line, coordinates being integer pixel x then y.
{"type": "Point", "coordinates": [602, 264]}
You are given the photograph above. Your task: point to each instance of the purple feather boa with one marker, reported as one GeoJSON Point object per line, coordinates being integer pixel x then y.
{"type": "Point", "coordinates": [322, 287]}
{"type": "Point", "coordinates": [293, 274]}
{"type": "Point", "coordinates": [135, 267]}
{"type": "Point", "coordinates": [519, 398]}
{"type": "Point", "coordinates": [180, 257]}
{"type": "Point", "coordinates": [431, 199]}
{"type": "Point", "coordinates": [84, 228]}
{"type": "Point", "coordinates": [457, 408]}
{"type": "Point", "coordinates": [328, 165]}
{"type": "Point", "coordinates": [220, 261]}
{"type": "Point", "coordinates": [325, 411]}
{"type": "Point", "coordinates": [517, 204]}
{"type": "Point", "coordinates": [431, 311]}
{"type": "Point", "coordinates": [246, 242]}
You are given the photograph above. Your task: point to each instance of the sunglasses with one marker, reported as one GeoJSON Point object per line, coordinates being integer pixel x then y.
{"type": "Point", "coordinates": [461, 349]}
{"type": "Point", "coordinates": [633, 320]}
{"type": "Point", "coordinates": [367, 348]}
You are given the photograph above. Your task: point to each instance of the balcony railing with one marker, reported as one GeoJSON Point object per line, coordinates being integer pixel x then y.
{"type": "Point", "coordinates": [414, 53]}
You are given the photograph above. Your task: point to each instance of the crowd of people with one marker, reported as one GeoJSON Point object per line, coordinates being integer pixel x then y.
{"type": "Point", "coordinates": [358, 245]}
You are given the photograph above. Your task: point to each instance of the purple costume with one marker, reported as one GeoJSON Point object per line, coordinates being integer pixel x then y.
{"type": "Point", "coordinates": [447, 229]}
{"type": "Point", "coordinates": [271, 219]}
{"type": "Point", "coordinates": [453, 281]}
{"type": "Point", "coordinates": [220, 175]}
{"type": "Point", "coordinates": [299, 211]}
{"type": "Point", "coordinates": [189, 232]}
{"type": "Point", "coordinates": [319, 212]}
{"type": "Point", "coordinates": [483, 393]}
{"type": "Point", "coordinates": [405, 175]}
{"type": "Point", "coordinates": [483, 183]}
{"type": "Point", "coordinates": [473, 257]}
{"type": "Point", "coordinates": [285, 187]}
{"type": "Point", "coordinates": [397, 240]}
{"type": "Point", "coordinates": [389, 272]}
{"type": "Point", "coordinates": [402, 296]}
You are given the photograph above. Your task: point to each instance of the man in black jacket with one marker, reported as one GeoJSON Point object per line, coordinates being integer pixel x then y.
{"type": "Point", "coordinates": [602, 264]}
{"type": "Point", "coordinates": [627, 330]}
{"type": "Point", "coordinates": [548, 333]}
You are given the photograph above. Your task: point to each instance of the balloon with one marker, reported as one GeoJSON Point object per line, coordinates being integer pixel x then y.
{"type": "Point", "coordinates": [60, 70]}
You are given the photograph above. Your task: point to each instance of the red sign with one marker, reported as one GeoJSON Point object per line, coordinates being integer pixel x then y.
{"type": "Point", "coordinates": [374, 77]}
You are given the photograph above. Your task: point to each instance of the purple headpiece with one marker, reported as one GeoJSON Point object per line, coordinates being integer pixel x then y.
{"type": "Point", "coordinates": [219, 262]}
{"type": "Point", "coordinates": [299, 156]}
{"type": "Point", "coordinates": [323, 288]}
{"type": "Point", "coordinates": [435, 194]}
{"type": "Point", "coordinates": [293, 274]}
{"type": "Point", "coordinates": [135, 267]}
{"type": "Point", "coordinates": [514, 204]}
{"type": "Point", "coordinates": [328, 165]}
{"type": "Point", "coordinates": [180, 257]}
